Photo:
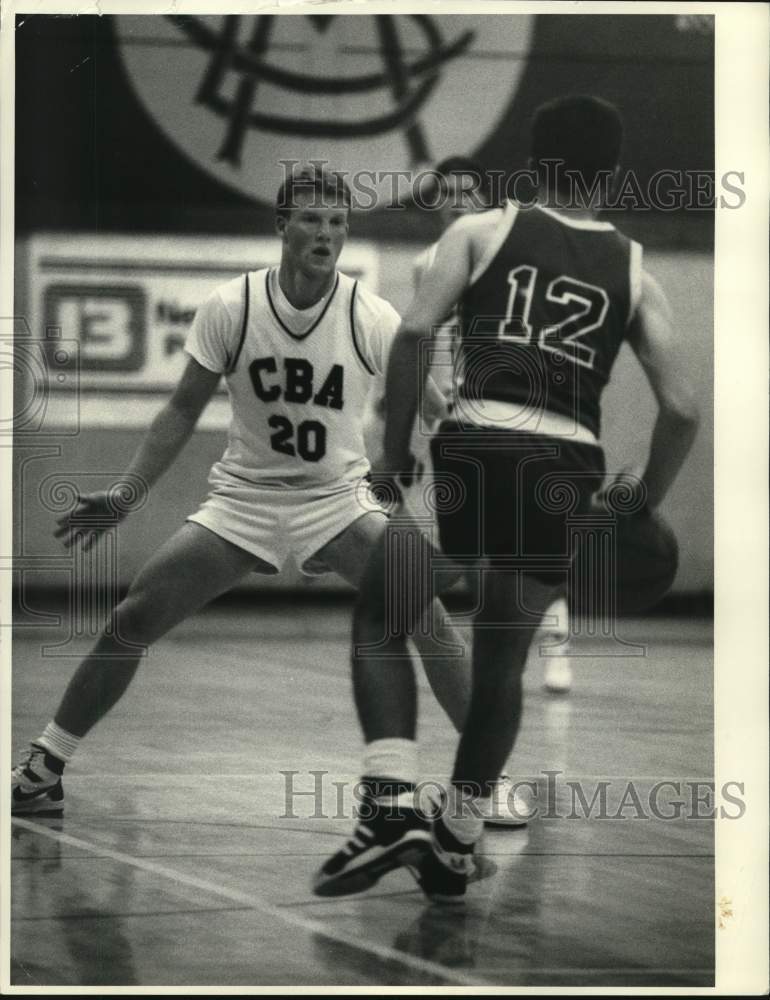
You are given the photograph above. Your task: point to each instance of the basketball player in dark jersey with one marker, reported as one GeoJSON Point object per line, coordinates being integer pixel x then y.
{"type": "Point", "coordinates": [547, 295]}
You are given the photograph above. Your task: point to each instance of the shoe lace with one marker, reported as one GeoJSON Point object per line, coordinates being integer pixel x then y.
{"type": "Point", "coordinates": [360, 839]}
{"type": "Point", "coordinates": [29, 754]}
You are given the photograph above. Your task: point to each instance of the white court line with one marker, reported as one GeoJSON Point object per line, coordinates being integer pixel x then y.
{"type": "Point", "coordinates": [422, 965]}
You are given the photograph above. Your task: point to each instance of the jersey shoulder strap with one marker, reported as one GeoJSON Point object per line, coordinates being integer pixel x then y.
{"type": "Point", "coordinates": [497, 232]}
{"type": "Point", "coordinates": [233, 361]}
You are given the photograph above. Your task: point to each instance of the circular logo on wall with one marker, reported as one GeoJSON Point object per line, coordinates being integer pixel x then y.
{"type": "Point", "coordinates": [375, 96]}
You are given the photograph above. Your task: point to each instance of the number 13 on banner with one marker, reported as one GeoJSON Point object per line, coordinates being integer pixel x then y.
{"type": "Point", "coordinates": [109, 323]}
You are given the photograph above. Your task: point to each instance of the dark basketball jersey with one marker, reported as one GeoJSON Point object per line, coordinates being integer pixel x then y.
{"type": "Point", "coordinates": [545, 314]}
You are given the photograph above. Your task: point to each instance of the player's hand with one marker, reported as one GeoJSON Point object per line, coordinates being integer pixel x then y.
{"type": "Point", "coordinates": [389, 485]}
{"type": "Point", "coordinates": [94, 513]}
{"type": "Point", "coordinates": [624, 494]}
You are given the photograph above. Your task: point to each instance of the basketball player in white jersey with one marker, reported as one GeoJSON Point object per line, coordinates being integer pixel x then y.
{"type": "Point", "coordinates": [550, 293]}
{"type": "Point", "coordinates": [299, 346]}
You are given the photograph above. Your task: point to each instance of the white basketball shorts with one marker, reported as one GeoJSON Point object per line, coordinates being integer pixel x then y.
{"type": "Point", "coordinates": [276, 522]}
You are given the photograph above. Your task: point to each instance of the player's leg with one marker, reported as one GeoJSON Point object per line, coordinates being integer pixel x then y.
{"type": "Point", "coordinates": [503, 631]}
{"type": "Point", "coordinates": [499, 516]}
{"type": "Point", "coordinates": [537, 529]}
{"type": "Point", "coordinates": [192, 568]}
{"type": "Point", "coordinates": [392, 596]}
{"type": "Point", "coordinates": [506, 806]}
{"type": "Point", "coordinates": [370, 546]}
{"type": "Point", "coordinates": [390, 830]}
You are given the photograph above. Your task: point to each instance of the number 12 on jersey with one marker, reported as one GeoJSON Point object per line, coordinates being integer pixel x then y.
{"type": "Point", "coordinates": [585, 308]}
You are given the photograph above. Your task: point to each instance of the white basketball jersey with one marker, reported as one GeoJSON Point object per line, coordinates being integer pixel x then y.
{"type": "Point", "coordinates": [298, 385]}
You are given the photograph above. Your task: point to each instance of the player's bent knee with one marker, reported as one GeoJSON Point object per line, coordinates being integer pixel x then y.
{"type": "Point", "coordinates": [134, 621]}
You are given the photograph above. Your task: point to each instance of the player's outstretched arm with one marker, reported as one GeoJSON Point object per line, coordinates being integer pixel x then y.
{"type": "Point", "coordinates": [652, 338]}
{"type": "Point", "coordinates": [172, 427]}
{"type": "Point", "coordinates": [439, 290]}
{"type": "Point", "coordinates": [167, 435]}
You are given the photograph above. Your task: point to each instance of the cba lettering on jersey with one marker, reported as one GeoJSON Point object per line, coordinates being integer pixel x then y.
{"type": "Point", "coordinates": [298, 382]}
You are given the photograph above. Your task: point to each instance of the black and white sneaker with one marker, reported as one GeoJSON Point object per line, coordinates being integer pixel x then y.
{"type": "Point", "coordinates": [444, 873]}
{"type": "Point", "coordinates": [506, 806]}
{"type": "Point", "coordinates": [393, 835]}
{"type": "Point", "coordinates": [36, 784]}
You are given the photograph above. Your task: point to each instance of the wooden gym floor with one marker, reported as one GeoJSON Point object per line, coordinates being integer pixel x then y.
{"type": "Point", "coordinates": [177, 861]}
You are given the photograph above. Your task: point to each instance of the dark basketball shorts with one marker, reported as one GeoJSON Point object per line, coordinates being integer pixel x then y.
{"type": "Point", "coordinates": [511, 497]}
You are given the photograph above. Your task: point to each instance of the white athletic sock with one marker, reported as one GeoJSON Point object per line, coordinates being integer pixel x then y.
{"type": "Point", "coordinates": [58, 742]}
{"type": "Point", "coordinates": [460, 816]}
{"type": "Point", "coordinates": [391, 758]}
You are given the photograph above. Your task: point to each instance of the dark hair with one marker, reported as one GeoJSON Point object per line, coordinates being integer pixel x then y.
{"type": "Point", "coordinates": [463, 166]}
{"type": "Point", "coordinates": [584, 132]}
{"type": "Point", "coordinates": [330, 188]}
